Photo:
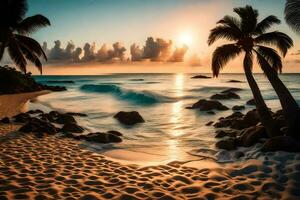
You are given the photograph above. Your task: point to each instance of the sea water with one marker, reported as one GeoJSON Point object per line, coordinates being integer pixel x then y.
{"type": "Point", "coordinates": [170, 130]}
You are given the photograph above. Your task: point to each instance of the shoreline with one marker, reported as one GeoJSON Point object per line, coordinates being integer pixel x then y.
{"type": "Point", "coordinates": [12, 104]}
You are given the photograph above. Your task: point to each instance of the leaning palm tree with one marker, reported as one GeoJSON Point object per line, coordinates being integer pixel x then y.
{"type": "Point", "coordinates": [14, 30]}
{"type": "Point", "coordinates": [292, 14]}
{"type": "Point", "coordinates": [248, 36]}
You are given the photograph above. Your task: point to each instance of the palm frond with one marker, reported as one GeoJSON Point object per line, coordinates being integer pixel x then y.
{"type": "Point", "coordinates": [223, 32]}
{"type": "Point", "coordinates": [265, 24]}
{"type": "Point", "coordinates": [16, 54]}
{"type": "Point", "coordinates": [32, 57]}
{"type": "Point", "coordinates": [31, 24]}
{"type": "Point", "coordinates": [222, 55]}
{"type": "Point", "coordinates": [292, 14]}
{"type": "Point", "coordinates": [248, 17]}
{"type": "Point", "coordinates": [230, 22]}
{"type": "Point", "coordinates": [2, 48]}
{"type": "Point", "coordinates": [280, 40]}
{"type": "Point", "coordinates": [248, 60]}
{"type": "Point", "coordinates": [271, 56]}
{"type": "Point", "coordinates": [31, 44]}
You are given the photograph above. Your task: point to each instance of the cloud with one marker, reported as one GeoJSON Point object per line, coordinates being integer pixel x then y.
{"type": "Point", "coordinates": [154, 50]}
{"type": "Point", "coordinates": [178, 54]}
{"type": "Point", "coordinates": [195, 60]}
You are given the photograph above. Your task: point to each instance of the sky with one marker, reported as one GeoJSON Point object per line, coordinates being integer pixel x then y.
{"type": "Point", "coordinates": [99, 22]}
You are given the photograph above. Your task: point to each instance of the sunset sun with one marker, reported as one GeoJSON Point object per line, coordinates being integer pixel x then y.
{"type": "Point", "coordinates": [185, 38]}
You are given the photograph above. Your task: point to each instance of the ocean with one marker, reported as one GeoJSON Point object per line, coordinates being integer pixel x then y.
{"type": "Point", "coordinates": [170, 130]}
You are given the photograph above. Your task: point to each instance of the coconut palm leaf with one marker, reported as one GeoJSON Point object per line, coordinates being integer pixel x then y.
{"type": "Point", "coordinates": [271, 56]}
{"type": "Point", "coordinates": [16, 11]}
{"type": "Point", "coordinates": [31, 44]}
{"type": "Point", "coordinates": [222, 55]}
{"type": "Point", "coordinates": [281, 40]}
{"type": "Point", "coordinates": [248, 17]}
{"type": "Point", "coordinates": [31, 24]}
{"type": "Point", "coordinates": [223, 32]}
{"type": "Point", "coordinates": [29, 55]}
{"type": "Point", "coordinates": [265, 24]}
{"type": "Point", "coordinates": [292, 14]}
{"type": "Point", "coordinates": [16, 54]}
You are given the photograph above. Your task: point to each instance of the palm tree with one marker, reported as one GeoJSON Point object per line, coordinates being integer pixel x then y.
{"type": "Point", "coordinates": [248, 36]}
{"type": "Point", "coordinates": [14, 30]}
{"type": "Point", "coordinates": [292, 14]}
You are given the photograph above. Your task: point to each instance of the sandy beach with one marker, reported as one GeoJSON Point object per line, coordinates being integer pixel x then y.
{"type": "Point", "coordinates": [53, 167]}
{"type": "Point", "coordinates": [11, 104]}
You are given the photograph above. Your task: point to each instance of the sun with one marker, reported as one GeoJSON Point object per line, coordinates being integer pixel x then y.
{"type": "Point", "coordinates": [185, 38]}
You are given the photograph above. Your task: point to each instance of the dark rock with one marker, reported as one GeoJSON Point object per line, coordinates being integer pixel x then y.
{"type": "Point", "coordinates": [129, 118]}
{"type": "Point", "coordinates": [228, 95]}
{"type": "Point", "coordinates": [230, 121]}
{"type": "Point", "coordinates": [239, 154]}
{"type": "Point", "coordinates": [252, 135]}
{"type": "Point", "coordinates": [227, 144]}
{"type": "Point", "coordinates": [234, 81]}
{"type": "Point", "coordinates": [5, 120]}
{"type": "Point", "coordinates": [22, 118]}
{"type": "Point", "coordinates": [47, 117]}
{"type": "Point", "coordinates": [65, 119]}
{"type": "Point", "coordinates": [102, 138]}
{"type": "Point", "coordinates": [281, 143]}
{"type": "Point", "coordinates": [201, 76]}
{"type": "Point", "coordinates": [37, 111]}
{"type": "Point", "coordinates": [284, 129]}
{"type": "Point", "coordinates": [209, 123]}
{"type": "Point", "coordinates": [251, 102]}
{"type": "Point", "coordinates": [251, 118]}
{"type": "Point", "coordinates": [211, 112]}
{"type": "Point", "coordinates": [207, 105]}
{"type": "Point", "coordinates": [238, 107]}
{"type": "Point", "coordinates": [62, 81]}
{"type": "Point", "coordinates": [37, 125]}
{"type": "Point", "coordinates": [53, 88]}
{"type": "Point", "coordinates": [224, 133]}
{"type": "Point", "coordinates": [76, 114]}
{"type": "Point", "coordinates": [72, 127]}
{"type": "Point", "coordinates": [117, 133]}
{"type": "Point", "coordinates": [54, 113]}
{"type": "Point", "coordinates": [231, 90]}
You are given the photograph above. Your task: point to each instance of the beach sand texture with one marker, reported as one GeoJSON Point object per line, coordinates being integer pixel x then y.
{"type": "Point", "coordinates": [12, 104]}
{"type": "Point", "coordinates": [58, 168]}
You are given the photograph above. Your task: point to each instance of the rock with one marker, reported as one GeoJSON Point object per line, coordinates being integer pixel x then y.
{"type": "Point", "coordinates": [238, 154]}
{"type": "Point", "coordinates": [251, 102]}
{"type": "Point", "coordinates": [129, 118]}
{"type": "Point", "coordinates": [53, 88]}
{"type": "Point", "coordinates": [37, 125]}
{"type": "Point", "coordinates": [100, 137]}
{"type": "Point", "coordinates": [227, 144]}
{"type": "Point", "coordinates": [207, 105]}
{"type": "Point", "coordinates": [238, 107]}
{"type": "Point", "coordinates": [224, 133]}
{"type": "Point", "coordinates": [47, 117]}
{"type": "Point", "coordinates": [252, 135]}
{"type": "Point", "coordinates": [37, 111]}
{"type": "Point", "coordinates": [5, 120]}
{"type": "Point", "coordinates": [22, 118]}
{"type": "Point", "coordinates": [201, 76]}
{"type": "Point", "coordinates": [281, 143]}
{"type": "Point", "coordinates": [72, 127]}
{"type": "Point", "coordinates": [65, 119]}
{"type": "Point", "coordinates": [234, 81]}
{"type": "Point", "coordinates": [251, 118]}
{"type": "Point", "coordinates": [211, 112]}
{"type": "Point", "coordinates": [209, 123]}
{"type": "Point", "coordinates": [54, 114]}
{"type": "Point", "coordinates": [227, 95]}
{"type": "Point", "coordinates": [230, 120]}
{"type": "Point", "coordinates": [231, 90]}
{"type": "Point", "coordinates": [76, 114]}
{"type": "Point", "coordinates": [117, 133]}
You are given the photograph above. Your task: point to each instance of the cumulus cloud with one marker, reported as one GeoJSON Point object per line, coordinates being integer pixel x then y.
{"type": "Point", "coordinates": [178, 54]}
{"type": "Point", "coordinates": [154, 50]}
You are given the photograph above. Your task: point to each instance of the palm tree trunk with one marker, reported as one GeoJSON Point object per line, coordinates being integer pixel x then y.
{"type": "Point", "coordinates": [289, 105]}
{"type": "Point", "coordinates": [261, 107]}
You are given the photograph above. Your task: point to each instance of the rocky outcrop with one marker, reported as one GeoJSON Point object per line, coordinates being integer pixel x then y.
{"type": "Point", "coordinates": [225, 95]}
{"type": "Point", "coordinates": [100, 137]}
{"type": "Point", "coordinates": [39, 126]}
{"type": "Point", "coordinates": [5, 120]}
{"type": "Point", "coordinates": [237, 107]}
{"type": "Point", "coordinates": [281, 143]}
{"type": "Point", "coordinates": [201, 77]}
{"type": "Point", "coordinates": [129, 118]}
{"type": "Point", "coordinates": [72, 127]}
{"type": "Point", "coordinates": [234, 81]}
{"type": "Point", "coordinates": [207, 105]}
{"type": "Point", "coordinates": [251, 102]}
{"type": "Point", "coordinates": [227, 144]}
